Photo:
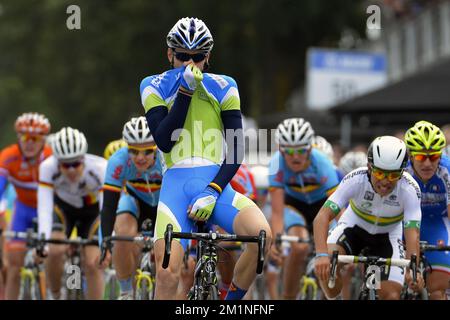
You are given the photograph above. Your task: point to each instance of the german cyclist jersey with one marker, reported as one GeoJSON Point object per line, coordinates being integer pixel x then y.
{"type": "Point", "coordinates": [202, 136]}
{"type": "Point", "coordinates": [121, 171]}
{"type": "Point", "coordinates": [311, 185]}
{"type": "Point", "coordinates": [21, 173]}
{"type": "Point", "coordinates": [85, 192]}
{"type": "Point", "coordinates": [372, 212]}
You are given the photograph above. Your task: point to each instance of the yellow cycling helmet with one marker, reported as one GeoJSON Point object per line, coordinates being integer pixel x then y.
{"type": "Point", "coordinates": [425, 136]}
{"type": "Point", "coordinates": [112, 147]}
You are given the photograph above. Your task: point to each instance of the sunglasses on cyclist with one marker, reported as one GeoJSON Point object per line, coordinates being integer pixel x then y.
{"type": "Point", "coordinates": [73, 164]}
{"type": "Point", "coordinates": [293, 151]}
{"type": "Point", "coordinates": [147, 151]}
{"type": "Point", "coordinates": [29, 137]}
{"type": "Point", "coordinates": [422, 156]}
{"type": "Point", "coordinates": [184, 56]}
{"type": "Point", "coordinates": [390, 175]}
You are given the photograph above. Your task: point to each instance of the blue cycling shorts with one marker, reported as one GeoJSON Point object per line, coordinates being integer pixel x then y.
{"type": "Point", "coordinates": [434, 231]}
{"type": "Point", "coordinates": [180, 186]}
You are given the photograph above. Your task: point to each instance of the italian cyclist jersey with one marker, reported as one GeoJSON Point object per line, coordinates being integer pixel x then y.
{"type": "Point", "coordinates": [436, 192]}
{"type": "Point", "coordinates": [21, 173]}
{"type": "Point", "coordinates": [311, 185]}
{"type": "Point", "coordinates": [202, 136]}
{"type": "Point", "coordinates": [85, 192]}
{"type": "Point", "coordinates": [372, 212]}
{"type": "Point", "coordinates": [121, 171]}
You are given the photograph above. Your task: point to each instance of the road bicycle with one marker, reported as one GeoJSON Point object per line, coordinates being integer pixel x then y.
{"type": "Point", "coordinates": [146, 273]}
{"type": "Point", "coordinates": [205, 274]}
{"type": "Point", "coordinates": [371, 265]}
{"type": "Point", "coordinates": [425, 269]}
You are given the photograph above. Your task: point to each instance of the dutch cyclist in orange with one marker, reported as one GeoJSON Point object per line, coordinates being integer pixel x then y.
{"type": "Point", "coordinates": [19, 164]}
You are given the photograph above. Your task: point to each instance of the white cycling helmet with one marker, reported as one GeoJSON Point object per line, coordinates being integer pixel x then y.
{"type": "Point", "coordinates": [352, 160]}
{"type": "Point", "coordinates": [136, 131]}
{"type": "Point", "coordinates": [323, 145]}
{"type": "Point", "coordinates": [387, 153]}
{"type": "Point", "coordinates": [69, 143]}
{"type": "Point", "coordinates": [190, 34]}
{"type": "Point", "coordinates": [294, 132]}
{"type": "Point", "coordinates": [260, 176]}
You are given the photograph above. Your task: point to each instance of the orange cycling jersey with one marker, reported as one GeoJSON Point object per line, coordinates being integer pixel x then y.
{"type": "Point", "coordinates": [22, 173]}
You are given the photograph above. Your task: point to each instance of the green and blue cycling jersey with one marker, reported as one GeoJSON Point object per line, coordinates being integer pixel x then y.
{"type": "Point", "coordinates": [199, 151]}
{"type": "Point", "coordinates": [202, 132]}
{"type": "Point", "coordinates": [313, 184]}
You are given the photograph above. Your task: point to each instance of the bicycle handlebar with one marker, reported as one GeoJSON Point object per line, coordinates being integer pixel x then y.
{"type": "Point", "coordinates": [372, 260]}
{"type": "Point", "coordinates": [424, 246]}
{"type": "Point", "coordinates": [35, 240]}
{"type": "Point", "coordinates": [169, 235]}
{"type": "Point", "coordinates": [287, 238]}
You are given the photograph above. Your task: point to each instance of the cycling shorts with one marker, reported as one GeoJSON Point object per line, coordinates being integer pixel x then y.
{"type": "Point", "coordinates": [437, 231]}
{"type": "Point", "coordinates": [180, 185]}
{"type": "Point", "coordinates": [138, 208]}
{"type": "Point", "coordinates": [355, 239]}
{"type": "Point", "coordinates": [85, 219]}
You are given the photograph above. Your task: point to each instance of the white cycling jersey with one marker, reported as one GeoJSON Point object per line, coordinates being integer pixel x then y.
{"type": "Point", "coordinates": [86, 191]}
{"type": "Point", "coordinates": [372, 212]}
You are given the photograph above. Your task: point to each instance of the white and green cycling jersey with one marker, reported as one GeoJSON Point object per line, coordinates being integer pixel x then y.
{"type": "Point", "coordinates": [372, 212]}
{"type": "Point", "coordinates": [202, 134]}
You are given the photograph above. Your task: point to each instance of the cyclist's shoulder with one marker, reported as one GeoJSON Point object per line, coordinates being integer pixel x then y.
{"type": "Point", "coordinates": [444, 163]}
{"type": "Point", "coordinates": [10, 152]}
{"type": "Point", "coordinates": [119, 158]}
{"type": "Point", "coordinates": [49, 163]}
{"type": "Point", "coordinates": [320, 158]}
{"type": "Point", "coordinates": [357, 175]}
{"type": "Point", "coordinates": [409, 184]}
{"type": "Point", "coordinates": [93, 158]}
{"type": "Point", "coordinates": [161, 80]}
{"type": "Point", "coordinates": [276, 162]}
{"type": "Point", "coordinates": [95, 162]}
{"type": "Point", "coordinates": [219, 80]}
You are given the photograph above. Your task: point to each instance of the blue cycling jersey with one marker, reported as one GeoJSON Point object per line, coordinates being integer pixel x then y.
{"type": "Point", "coordinates": [435, 225]}
{"type": "Point", "coordinates": [309, 186]}
{"type": "Point", "coordinates": [435, 192]}
{"type": "Point", "coordinates": [122, 171]}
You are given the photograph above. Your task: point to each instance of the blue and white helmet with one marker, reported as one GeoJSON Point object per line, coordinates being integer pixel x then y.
{"type": "Point", "coordinates": [190, 34]}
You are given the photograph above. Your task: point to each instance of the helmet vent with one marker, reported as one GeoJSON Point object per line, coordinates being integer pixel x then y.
{"type": "Point", "coordinates": [399, 153]}
{"type": "Point", "coordinates": [192, 30]}
{"type": "Point", "coordinates": [378, 151]}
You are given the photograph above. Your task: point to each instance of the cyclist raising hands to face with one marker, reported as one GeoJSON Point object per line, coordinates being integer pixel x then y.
{"type": "Point", "coordinates": [187, 112]}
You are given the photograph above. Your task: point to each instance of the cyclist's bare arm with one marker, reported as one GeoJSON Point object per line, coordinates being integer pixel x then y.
{"type": "Point", "coordinates": [320, 224]}
{"type": "Point", "coordinates": [277, 198]}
